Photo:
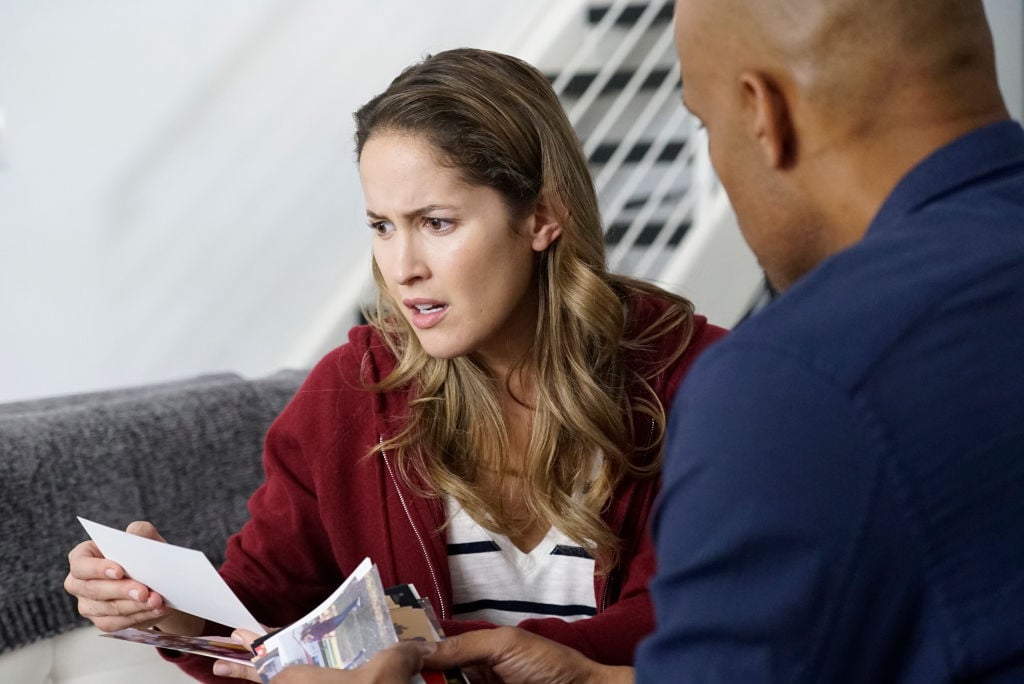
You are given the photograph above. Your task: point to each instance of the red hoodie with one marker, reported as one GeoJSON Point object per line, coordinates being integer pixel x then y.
{"type": "Point", "coordinates": [329, 500]}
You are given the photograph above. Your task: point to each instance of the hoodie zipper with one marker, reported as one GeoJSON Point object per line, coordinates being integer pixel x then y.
{"type": "Point", "coordinates": [419, 537]}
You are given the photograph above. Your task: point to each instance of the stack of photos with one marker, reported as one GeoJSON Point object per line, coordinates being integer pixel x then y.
{"type": "Point", "coordinates": [359, 619]}
{"type": "Point", "coordinates": [343, 632]}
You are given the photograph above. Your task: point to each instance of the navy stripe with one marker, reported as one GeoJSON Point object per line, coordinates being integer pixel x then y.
{"type": "Point", "coordinates": [522, 607]}
{"type": "Point", "coordinates": [472, 547]}
{"type": "Point", "coordinates": [574, 551]}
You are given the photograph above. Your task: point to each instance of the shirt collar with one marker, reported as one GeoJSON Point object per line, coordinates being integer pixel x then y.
{"type": "Point", "coordinates": [981, 152]}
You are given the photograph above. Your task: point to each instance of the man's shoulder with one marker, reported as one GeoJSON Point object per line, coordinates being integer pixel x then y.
{"type": "Point", "coordinates": [863, 303]}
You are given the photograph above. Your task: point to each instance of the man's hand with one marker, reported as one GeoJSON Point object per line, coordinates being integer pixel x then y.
{"type": "Point", "coordinates": [515, 656]}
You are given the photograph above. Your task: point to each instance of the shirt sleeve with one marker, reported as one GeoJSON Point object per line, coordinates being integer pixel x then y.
{"type": "Point", "coordinates": [771, 493]}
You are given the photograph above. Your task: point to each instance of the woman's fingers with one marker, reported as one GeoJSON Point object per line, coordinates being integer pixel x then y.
{"type": "Point", "coordinates": [114, 590]}
{"type": "Point", "coordinates": [245, 637]}
{"type": "Point", "coordinates": [105, 595]}
{"type": "Point", "coordinates": [227, 668]}
{"type": "Point", "coordinates": [87, 563]}
{"type": "Point", "coordinates": [144, 528]}
{"type": "Point", "coordinates": [112, 615]}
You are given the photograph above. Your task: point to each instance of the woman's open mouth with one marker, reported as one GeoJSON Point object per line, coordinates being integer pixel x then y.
{"type": "Point", "coordinates": [426, 313]}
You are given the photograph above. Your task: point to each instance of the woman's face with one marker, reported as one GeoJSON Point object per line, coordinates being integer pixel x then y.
{"type": "Point", "coordinates": [455, 262]}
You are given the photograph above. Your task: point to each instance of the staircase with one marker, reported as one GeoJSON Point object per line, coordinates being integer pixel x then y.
{"type": "Point", "coordinates": [235, 232]}
{"type": "Point", "coordinates": [666, 217]}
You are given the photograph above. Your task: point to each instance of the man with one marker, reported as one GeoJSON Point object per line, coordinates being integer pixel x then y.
{"type": "Point", "coordinates": [844, 487]}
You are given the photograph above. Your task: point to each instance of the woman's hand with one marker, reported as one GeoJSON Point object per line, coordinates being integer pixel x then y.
{"type": "Point", "coordinates": [112, 601]}
{"type": "Point", "coordinates": [227, 668]}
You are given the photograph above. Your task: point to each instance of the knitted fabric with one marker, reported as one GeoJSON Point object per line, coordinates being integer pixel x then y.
{"type": "Point", "coordinates": [184, 455]}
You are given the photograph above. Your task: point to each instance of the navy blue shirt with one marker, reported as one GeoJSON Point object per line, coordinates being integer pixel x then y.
{"type": "Point", "coordinates": [843, 493]}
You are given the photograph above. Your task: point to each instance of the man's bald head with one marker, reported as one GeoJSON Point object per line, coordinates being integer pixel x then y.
{"type": "Point", "coordinates": [820, 106]}
{"type": "Point", "coordinates": [855, 60]}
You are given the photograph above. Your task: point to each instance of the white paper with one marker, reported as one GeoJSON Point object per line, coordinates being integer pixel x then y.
{"type": "Point", "coordinates": [184, 577]}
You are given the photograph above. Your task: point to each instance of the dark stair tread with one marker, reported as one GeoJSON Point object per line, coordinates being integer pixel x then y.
{"type": "Point", "coordinates": [668, 153]}
{"type": "Point", "coordinates": [630, 14]}
{"type": "Point", "coordinates": [614, 233]}
{"type": "Point", "coordinates": [638, 201]}
{"type": "Point", "coordinates": [579, 83]}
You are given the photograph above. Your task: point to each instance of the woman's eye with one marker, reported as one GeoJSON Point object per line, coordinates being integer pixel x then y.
{"type": "Point", "coordinates": [438, 225]}
{"type": "Point", "coordinates": [381, 227]}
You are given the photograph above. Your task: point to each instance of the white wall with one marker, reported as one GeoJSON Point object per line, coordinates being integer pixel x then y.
{"type": "Point", "coordinates": [1007, 20]}
{"type": "Point", "coordinates": [177, 187]}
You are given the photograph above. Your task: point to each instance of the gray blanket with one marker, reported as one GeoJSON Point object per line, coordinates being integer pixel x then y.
{"type": "Point", "coordinates": [185, 455]}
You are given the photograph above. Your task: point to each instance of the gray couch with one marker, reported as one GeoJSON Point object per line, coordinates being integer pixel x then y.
{"type": "Point", "coordinates": [185, 455]}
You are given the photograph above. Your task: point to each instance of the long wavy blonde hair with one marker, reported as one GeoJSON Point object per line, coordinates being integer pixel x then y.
{"type": "Point", "coordinates": [496, 119]}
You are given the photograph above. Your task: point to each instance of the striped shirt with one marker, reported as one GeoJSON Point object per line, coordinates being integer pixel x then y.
{"type": "Point", "coordinates": [493, 580]}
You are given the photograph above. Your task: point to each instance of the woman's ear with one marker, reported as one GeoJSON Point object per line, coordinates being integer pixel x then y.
{"type": "Point", "coordinates": [545, 228]}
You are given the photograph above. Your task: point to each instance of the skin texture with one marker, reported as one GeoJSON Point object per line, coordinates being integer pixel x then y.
{"type": "Point", "coordinates": [513, 656]}
{"type": "Point", "coordinates": [441, 240]}
{"type": "Point", "coordinates": [811, 122]}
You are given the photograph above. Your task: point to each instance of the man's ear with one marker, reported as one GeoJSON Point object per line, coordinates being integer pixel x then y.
{"type": "Point", "coordinates": [545, 228]}
{"type": "Point", "coordinates": [769, 118]}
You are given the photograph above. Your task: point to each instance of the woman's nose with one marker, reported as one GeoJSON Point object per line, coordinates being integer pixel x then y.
{"type": "Point", "coordinates": [408, 258]}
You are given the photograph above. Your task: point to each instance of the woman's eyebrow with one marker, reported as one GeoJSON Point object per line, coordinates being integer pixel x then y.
{"type": "Point", "coordinates": [428, 209]}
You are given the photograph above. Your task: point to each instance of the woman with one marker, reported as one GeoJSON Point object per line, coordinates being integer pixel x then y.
{"type": "Point", "coordinates": [493, 435]}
